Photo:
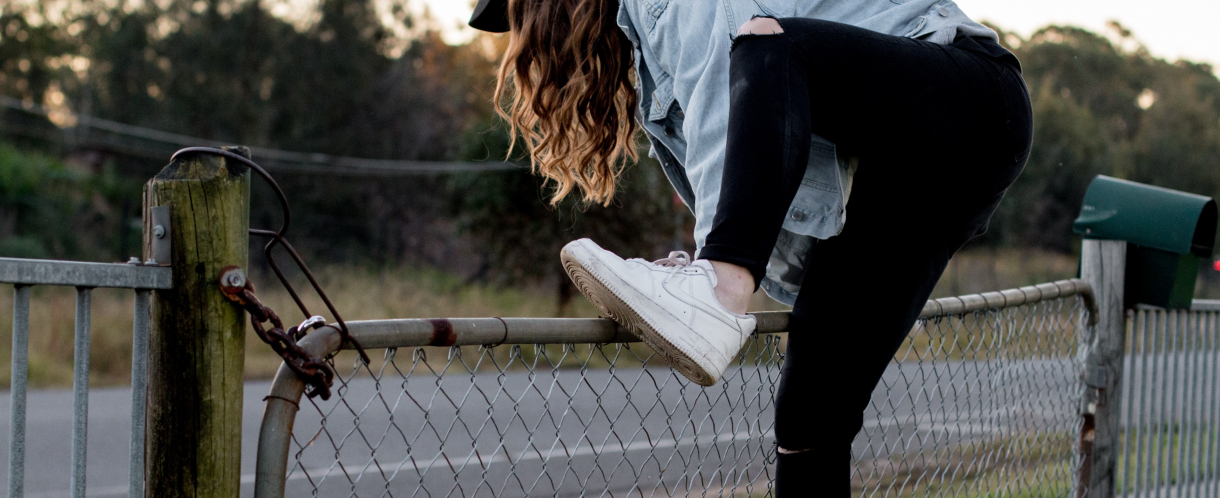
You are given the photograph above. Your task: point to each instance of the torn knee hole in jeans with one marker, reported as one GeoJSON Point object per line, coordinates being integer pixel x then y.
{"type": "Point", "coordinates": [760, 25]}
{"type": "Point", "coordinates": [786, 451]}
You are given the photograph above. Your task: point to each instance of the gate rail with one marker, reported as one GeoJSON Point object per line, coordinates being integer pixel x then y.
{"type": "Point", "coordinates": [25, 273]}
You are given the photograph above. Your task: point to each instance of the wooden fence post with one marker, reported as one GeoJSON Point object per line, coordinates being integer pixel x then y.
{"type": "Point", "coordinates": [1103, 265]}
{"type": "Point", "coordinates": [197, 337]}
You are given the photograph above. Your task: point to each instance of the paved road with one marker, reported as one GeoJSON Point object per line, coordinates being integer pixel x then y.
{"type": "Point", "coordinates": [953, 402]}
{"type": "Point", "coordinates": [49, 440]}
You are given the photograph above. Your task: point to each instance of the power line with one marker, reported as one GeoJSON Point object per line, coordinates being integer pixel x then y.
{"type": "Point", "coordinates": [283, 160]}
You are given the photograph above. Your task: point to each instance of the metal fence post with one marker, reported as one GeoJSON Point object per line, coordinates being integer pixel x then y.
{"type": "Point", "coordinates": [197, 337]}
{"type": "Point", "coordinates": [1103, 266]}
{"type": "Point", "coordinates": [20, 377]}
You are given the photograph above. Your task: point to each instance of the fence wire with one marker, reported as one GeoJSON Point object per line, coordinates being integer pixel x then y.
{"type": "Point", "coordinates": [536, 420]}
{"type": "Point", "coordinates": [1171, 411]}
{"type": "Point", "coordinates": [979, 403]}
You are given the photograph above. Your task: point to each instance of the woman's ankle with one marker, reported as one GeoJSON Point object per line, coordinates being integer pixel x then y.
{"type": "Point", "coordinates": [734, 286]}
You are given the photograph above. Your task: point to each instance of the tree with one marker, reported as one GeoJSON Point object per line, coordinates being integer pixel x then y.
{"type": "Point", "coordinates": [519, 235]}
{"type": "Point", "coordinates": [1104, 105]}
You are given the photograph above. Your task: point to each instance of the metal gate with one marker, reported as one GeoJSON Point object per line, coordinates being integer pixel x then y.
{"type": "Point", "coordinates": [983, 396]}
{"type": "Point", "coordinates": [25, 273]}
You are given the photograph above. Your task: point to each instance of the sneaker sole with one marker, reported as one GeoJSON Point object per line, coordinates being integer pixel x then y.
{"type": "Point", "coordinates": [599, 290]}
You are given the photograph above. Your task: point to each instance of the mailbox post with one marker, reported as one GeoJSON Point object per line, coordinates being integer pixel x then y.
{"type": "Point", "coordinates": [1143, 245]}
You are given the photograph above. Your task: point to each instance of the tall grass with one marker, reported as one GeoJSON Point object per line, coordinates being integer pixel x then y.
{"type": "Point", "coordinates": [988, 269]}
{"type": "Point", "coordinates": [363, 293]}
{"type": "Point", "coordinates": [52, 319]}
{"type": "Point", "coordinates": [358, 293]}
{"type": "Point", "coordinates": [1021, 466]}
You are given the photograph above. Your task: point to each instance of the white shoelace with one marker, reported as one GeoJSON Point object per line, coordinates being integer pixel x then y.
{"type": "Point", "coordinates": [676, 260]}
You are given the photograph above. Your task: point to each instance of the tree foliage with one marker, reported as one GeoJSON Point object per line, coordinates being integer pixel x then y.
{"type": "Point", "coordinates": [50, 210]}
{"type": "Point", "coordinates": [1104, 105]}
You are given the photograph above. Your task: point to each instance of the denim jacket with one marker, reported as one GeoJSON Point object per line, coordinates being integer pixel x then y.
{"type": "Point", "coordinates": [682, 64]}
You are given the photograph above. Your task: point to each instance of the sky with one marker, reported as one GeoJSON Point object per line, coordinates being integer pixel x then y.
{"type": "Point", "coordinates": [1172, 29]}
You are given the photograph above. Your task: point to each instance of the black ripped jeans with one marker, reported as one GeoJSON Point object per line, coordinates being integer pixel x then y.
{"type": "Point", "coordinates": [940, 132]}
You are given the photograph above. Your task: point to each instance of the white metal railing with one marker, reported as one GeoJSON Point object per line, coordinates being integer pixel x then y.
{"type": "Point", "coordinates": [26, 273]}
{"type": "Point", "coordinates": [1170, 442]}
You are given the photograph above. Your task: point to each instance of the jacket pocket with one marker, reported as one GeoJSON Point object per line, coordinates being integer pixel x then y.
{"type": "Point", "coordinates": [818, 208]}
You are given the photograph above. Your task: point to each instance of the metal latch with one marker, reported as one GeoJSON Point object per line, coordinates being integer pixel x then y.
{"type": "Point", "coordinates": [161, 253]}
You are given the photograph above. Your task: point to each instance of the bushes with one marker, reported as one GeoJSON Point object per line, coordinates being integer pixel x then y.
{"type": "Point", "coordinates": [51, 210]}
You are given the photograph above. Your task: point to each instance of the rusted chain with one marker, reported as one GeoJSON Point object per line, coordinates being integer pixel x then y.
{"type": "Point", "coordinates": [238, 288]}
{"type": "Point", "coordinates": [316, 372]}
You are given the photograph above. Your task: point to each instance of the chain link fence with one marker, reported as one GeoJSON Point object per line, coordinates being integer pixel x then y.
{"type": "Point", "coordinates": [980, 401]}
{"type": "Point", "coordinates": [983, 403]}
{"type": "Point", "coordinates": [538, 421]}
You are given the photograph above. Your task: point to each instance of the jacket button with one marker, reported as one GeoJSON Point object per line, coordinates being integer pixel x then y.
{"type": "Point", "coordinates": [944, 12]}
{"type": "Point", "coordinates": [798, 216]}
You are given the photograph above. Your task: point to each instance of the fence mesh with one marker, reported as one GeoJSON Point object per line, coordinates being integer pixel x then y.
{"type": "Point", "coordinates": [980, 404]}
{"type": "Point", "coordinates": [976, 404]}
{"type": "Point", "coordinates": [1171, 411]}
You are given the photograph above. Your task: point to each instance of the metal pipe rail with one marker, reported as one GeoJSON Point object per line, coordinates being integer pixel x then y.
{"type": "Point", "coordinates": [275, 435]}
{"type": "Point", "coordinates": [1012, 297]}
{"type": "Point", "coordinates": [413, 332]}
{"type": "Point", "coordinates": [25, 273]}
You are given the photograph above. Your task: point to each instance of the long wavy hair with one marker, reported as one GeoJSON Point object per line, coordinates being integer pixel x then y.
{"type": "Point", "coordinates": [565, 90]}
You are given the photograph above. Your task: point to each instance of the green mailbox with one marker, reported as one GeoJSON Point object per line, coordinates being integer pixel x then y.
{"type": "Point", "coordinates": [1168, 234]}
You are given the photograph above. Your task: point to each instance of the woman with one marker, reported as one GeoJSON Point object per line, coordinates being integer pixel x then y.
{"type": "Point", "coordinates": [766, 115]}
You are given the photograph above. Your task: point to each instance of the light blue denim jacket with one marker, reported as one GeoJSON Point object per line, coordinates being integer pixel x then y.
{"type": "Point", "coordinates": [682, 62]}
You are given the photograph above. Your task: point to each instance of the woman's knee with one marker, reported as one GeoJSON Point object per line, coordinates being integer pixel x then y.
{"type": "Point", "coordinates": [761, 26]}
{"type": "Point", "coordinates": [758, 37]}
{"type": "Point", "coordinates": [811, 32]}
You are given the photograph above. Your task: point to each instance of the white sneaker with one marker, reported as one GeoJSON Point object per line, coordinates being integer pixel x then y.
{"type": "Point", "coordinates": [669, 304]}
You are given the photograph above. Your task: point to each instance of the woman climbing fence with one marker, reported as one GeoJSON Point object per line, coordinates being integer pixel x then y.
{"type": "Point", "coordinates": [766, 116]}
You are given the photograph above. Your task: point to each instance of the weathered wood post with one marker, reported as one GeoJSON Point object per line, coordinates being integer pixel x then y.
{"type": "Point", "coordinates": [197, 337]}
{"type": "Point", "coordinates": [1103, 265]}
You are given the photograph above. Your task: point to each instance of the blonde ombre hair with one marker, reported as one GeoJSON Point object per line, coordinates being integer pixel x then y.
{"type": "Point", "coordinates": [570, 98]}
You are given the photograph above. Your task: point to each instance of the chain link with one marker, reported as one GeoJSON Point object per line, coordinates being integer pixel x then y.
{"type": "Point", "coordinates": [315, 372]}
